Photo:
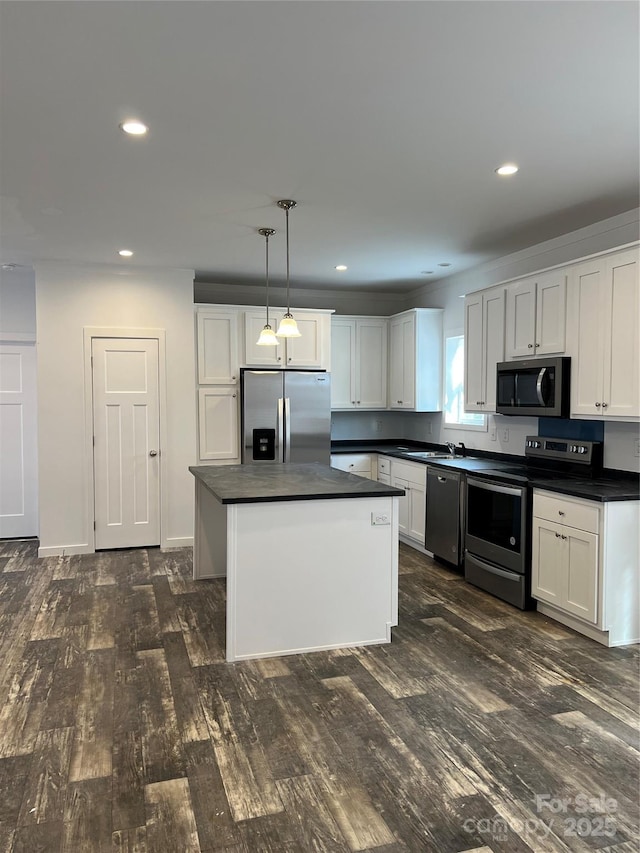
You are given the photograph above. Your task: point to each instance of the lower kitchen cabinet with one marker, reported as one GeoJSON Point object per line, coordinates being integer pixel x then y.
{"type": "Point", "coordinates": [585, 565]}
{"type": "Point", "coordinates": [361, 464]}
{"type": "Point", "coordinates": [412, 477]}
{"type": "Point", "coordinates": [218, 424]}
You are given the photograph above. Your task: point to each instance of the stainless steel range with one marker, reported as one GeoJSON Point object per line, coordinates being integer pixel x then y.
{"type": "Point", "coordinates": [498, 513]}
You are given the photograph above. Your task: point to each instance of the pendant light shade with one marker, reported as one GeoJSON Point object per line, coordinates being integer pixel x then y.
{"type": "Point", "coordinates": [267, 335]}
{"type": "Point", "coordinates": [288, 327]}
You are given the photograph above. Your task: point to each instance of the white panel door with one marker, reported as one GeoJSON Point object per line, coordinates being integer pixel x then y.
{"type": "Point", "coordinates": [582, 573]}
{"type": "Point", "coordinates": [18, 442]}
{"type": "Point", "coordinates": [126, 442]}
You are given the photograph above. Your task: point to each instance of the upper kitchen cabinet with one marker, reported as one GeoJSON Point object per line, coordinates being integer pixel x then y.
{"type": "Point", "coordinates": [217, 337]}
{"type": "Point", "coordinates": [312, 349]}
{"type": "Point", "coordinates": [483, 348]}
{"type": "Point", "coordinates": [359, 359]}
{"type": "Point", "coordinates": [415, 360]}
{"type": "Point", "coordinates": [536, 315]}
{"type": "Point", "coordinates": [603, 337]}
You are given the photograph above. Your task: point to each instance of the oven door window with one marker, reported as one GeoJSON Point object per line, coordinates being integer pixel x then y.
{"type": "Point", "coordinates": [495, 516]}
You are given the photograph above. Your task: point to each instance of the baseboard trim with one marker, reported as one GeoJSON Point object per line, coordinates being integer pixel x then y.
{"type": "Point", "coordinates": [177, 542]}
{"type": "Point", "coordinates": [64, 550]}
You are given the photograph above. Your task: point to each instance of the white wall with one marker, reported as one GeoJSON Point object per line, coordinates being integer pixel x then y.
{"type": "Point", "coordinates": [17, 303]}
{"type": "Point", "coordinates": [67, 301]}
{"type": "Point", "coordinates": [342, 301]}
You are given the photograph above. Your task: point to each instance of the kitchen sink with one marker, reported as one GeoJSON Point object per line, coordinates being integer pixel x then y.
{"type": "Point", "coordinates": [429, 454]}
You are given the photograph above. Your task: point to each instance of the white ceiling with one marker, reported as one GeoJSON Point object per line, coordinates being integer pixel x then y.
{"type": "Point", "coordinates": [384, 120]}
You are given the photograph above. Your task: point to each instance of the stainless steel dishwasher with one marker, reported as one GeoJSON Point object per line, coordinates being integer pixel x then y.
{"type": "Point", "coordinates": [444, 523]}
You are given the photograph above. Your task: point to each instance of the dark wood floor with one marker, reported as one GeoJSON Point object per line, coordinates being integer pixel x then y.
{"type": "Point", "coordinates": [478, 728]}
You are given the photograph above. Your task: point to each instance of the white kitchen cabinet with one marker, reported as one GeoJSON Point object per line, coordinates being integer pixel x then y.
{"type": "Point", "coordinates": [217, 337]}
{"type": "Point", "coordinates": [311, 349]}
{"type": "Point", "coordinates": [585, 565]}
{"type": "Point", "coordinates": [604, 337]}
{"type": "Point", "coordinates": [412, 477]}
{"type": "Point", "coordinates": [415, 360]}
{"type": "Point", "coordinates": [359, 362]}
{"type": "Point", "coordinates": [361, 464]}
{"type": "Point", "coordinates": [483, 348]}
{"type": "Point", "coordinates": [536, 315]}
{"type": "Point", "coordinates": [218, 424]}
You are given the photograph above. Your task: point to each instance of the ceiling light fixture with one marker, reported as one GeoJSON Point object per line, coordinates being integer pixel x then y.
{"type": "Point", "coordinates": [134, 127]}
{"type": "Point", "coordinates": [507, 169]}
{"type": "Point", "coordinates": [426, 272]}
{"type": "Point", "coordinates": [267, 335]}
{"type": "Point", "coordinates": [125, 253]}
{"type": "Point", "coordinates": [341, 267]}
{"type": "Point", "coordinates": [288, 327]}
{"type": "Point", "coordinates": [444, 264]}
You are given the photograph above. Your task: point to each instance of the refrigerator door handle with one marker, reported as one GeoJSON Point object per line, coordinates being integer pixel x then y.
{"type": "Point", "coordinates": [280, 429]}
{"type": "Point", "coordinates": [287, 429]}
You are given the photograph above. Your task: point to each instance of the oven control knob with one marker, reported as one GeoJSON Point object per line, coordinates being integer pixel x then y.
{"type": "Point", "coordinates": [574, 448]}
{"type": "Point", "coordinates": [582, 449]}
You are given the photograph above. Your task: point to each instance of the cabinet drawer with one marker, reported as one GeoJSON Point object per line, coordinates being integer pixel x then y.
{"type": "Point", "coordinates": [384, 465]}
{"type": "Point", "coordinates": [413, 472]}
{"type": "Point", "coordinates": [384, 478]}
{"type": "Point", "coordinates": [582, 515]}
{"type": "Point", "coordinates": [352, 462]}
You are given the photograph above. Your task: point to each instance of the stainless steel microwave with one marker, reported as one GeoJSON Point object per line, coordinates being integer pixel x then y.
{"type": "Point", "coordinates": [537, 387]}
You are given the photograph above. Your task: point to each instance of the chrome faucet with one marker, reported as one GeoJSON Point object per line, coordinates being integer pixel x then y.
{"type": "Point", "coordinates": [452, 448]}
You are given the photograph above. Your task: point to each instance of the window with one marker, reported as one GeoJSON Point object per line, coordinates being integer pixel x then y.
{"type": "Point", "coordinates": [454, 413]}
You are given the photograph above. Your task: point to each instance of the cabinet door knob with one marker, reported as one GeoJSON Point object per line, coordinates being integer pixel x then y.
{"type": "Point", "coordinates": [353, 402]}
{"type": "Point", "coordinates": [560, 512]}
{"type": "Point", "coordinates": [557, 535]}
{"type": "Point", "coordinates": [537, 345]}
{"type": "Point", "coordinates": [563, 537]}
{"type": "Point", "coordinates": [279, 358]}
{"type": "Point", "coordinates": [234, 395]}
{"type": "Point", "coordinates": [289, 359]}
{"type": "Point", "coordinates": [153, 453]}
{"type": "Point", "coordinates": [530, 346]}
{"type": "Point", "coordinates": [399, 401]}
{"type": "Point", "coordinates": [233, 378]}
{"type": "Point", "coordinates": [597, 405]}
{"type": "Point", "coordinates": [358, 401]}
{"type": "Point", "coordinates": [604, 405]}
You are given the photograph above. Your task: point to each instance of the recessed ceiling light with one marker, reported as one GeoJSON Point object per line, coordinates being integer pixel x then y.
{"type": "Point", "coordinates": [341, 267]}
{"type": "Point", "coordinates": [125, 253]}
{"type": "Point", "coordinates": [445, 264]}
{"type": "Point", "coordinates": [9, 267]}
{"type": "Point", "coordinates": [426, 272]}
{"type": "Point", "coordinates": [507, 169]}
{"type": "Point", "coordinates": [134, 127]}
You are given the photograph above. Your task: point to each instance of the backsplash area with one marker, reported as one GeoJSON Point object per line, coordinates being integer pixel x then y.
{"type": "Point", "coordinates": [620, 439]}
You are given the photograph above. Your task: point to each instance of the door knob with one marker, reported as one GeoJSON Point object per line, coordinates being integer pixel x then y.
{"type": "Point", "coordinates": [153, 453]}
{"type": "Point", "coordinates": [530, 346]}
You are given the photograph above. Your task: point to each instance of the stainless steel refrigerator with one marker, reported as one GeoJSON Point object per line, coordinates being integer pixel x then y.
{"type": "Point", "coordinates": [286, 415]}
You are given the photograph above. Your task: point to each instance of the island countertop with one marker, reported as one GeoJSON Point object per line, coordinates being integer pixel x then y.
{"type": "Point", "coordinates": [266, 482]}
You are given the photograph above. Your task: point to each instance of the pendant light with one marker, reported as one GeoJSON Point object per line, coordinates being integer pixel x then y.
{"type": "Point", "coordinates": [267, 335]}
{"type": "Point", "coordinates": [288, 327]}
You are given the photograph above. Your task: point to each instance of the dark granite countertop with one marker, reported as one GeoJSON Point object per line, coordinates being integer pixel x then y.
{"type": "Point", "coordinates": [268, 482]}
{"type": "Point", "coordinates": [601, 489]}
{"type": "Point", "coordinates": [612, 486]}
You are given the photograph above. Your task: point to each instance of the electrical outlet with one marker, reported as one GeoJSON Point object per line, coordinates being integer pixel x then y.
{"type": "Point", "coordinates": [493, 435]}
{"type": "Point", "coordinates": [378, 519]}
{"type": "Point", "coordinates": [505, 434]}
{"type": "Point", "coordinates": [378, 426]}
{"type": "Point", "coordinates": [637, 450]}
{"type": "Point", "coordinates": [429, 429]}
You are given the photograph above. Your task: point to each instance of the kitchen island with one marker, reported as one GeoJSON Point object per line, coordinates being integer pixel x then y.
{"type": "Point", "coordinates": [310, 554]}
